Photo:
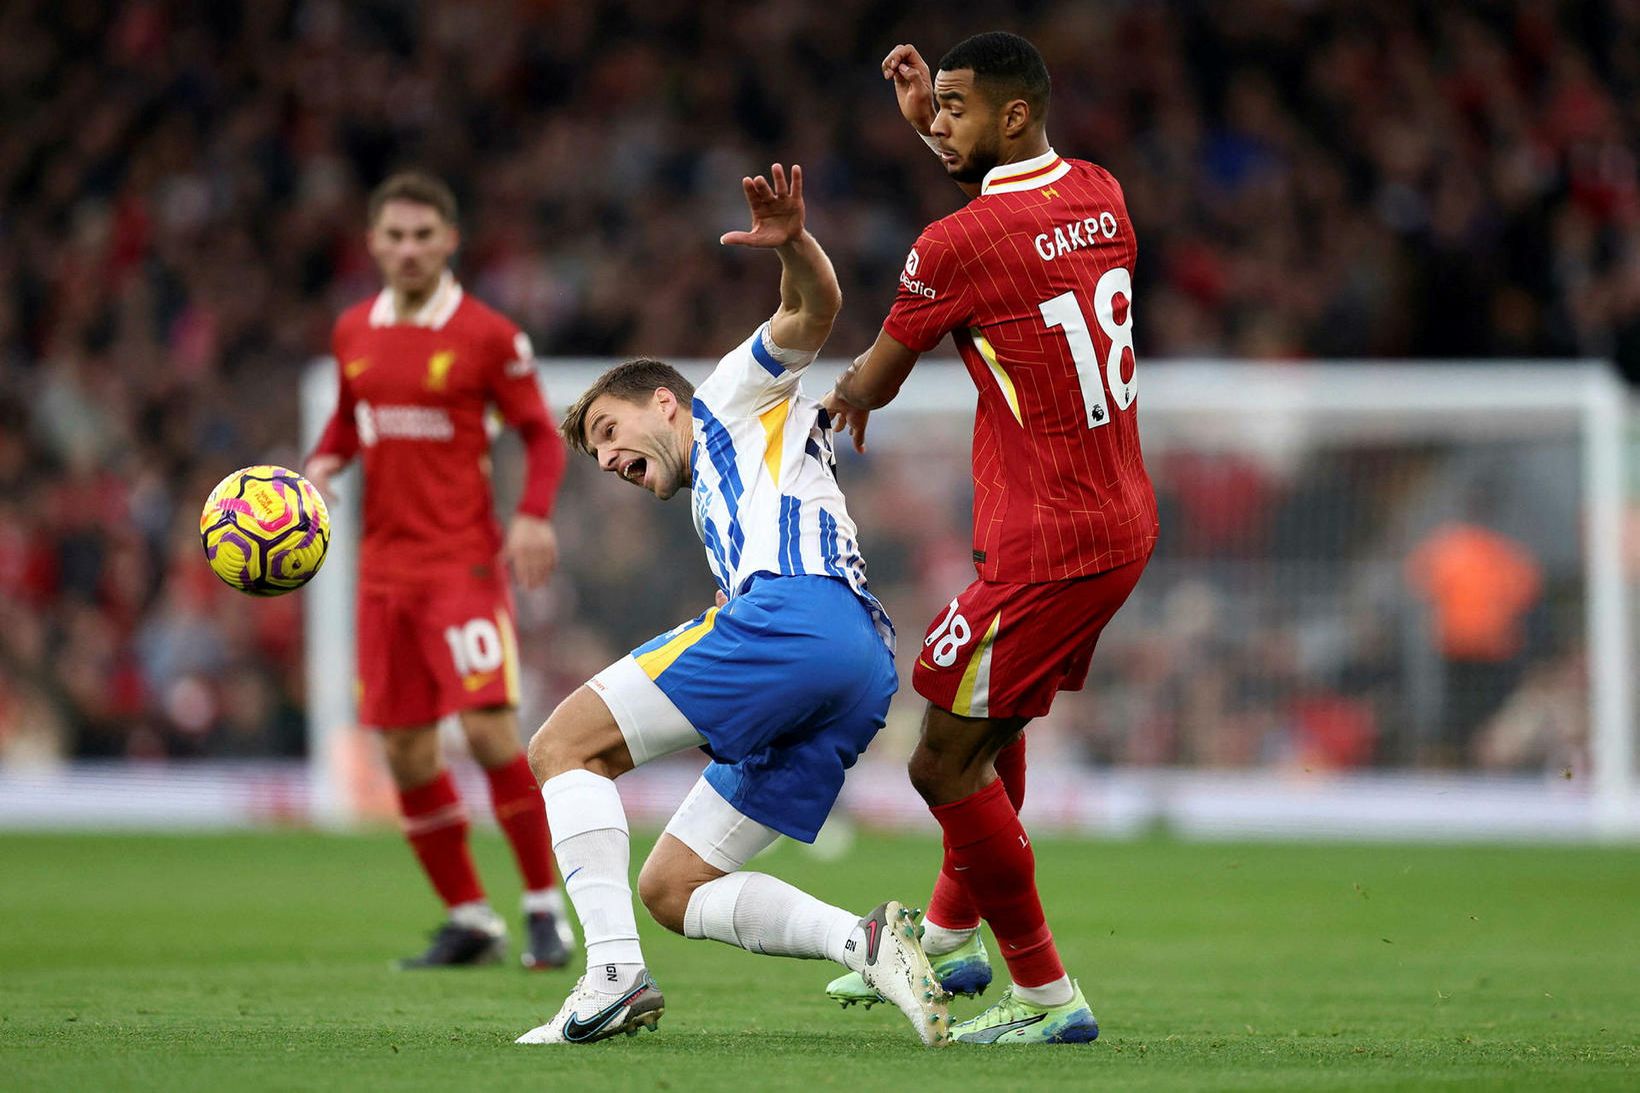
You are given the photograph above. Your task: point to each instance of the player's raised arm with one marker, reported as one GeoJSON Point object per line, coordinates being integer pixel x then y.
{"type": "Point", "coordinates": [914, 91]}
{"type": "Point", "coordinates": [809, 295]}
{"type": "Point", "coordinates": [913, 86]}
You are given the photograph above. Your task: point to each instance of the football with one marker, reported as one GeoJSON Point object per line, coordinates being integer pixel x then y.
{"type": "Point", "coordinates": [265, 530]}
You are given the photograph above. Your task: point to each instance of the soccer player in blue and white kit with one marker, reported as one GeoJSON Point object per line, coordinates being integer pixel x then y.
{"type": "Point", "coordinates": [783, 684]}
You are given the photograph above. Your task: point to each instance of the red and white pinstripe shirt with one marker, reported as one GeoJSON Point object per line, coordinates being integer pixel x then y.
{"type": "Point", "coordinates": [1033, 280]}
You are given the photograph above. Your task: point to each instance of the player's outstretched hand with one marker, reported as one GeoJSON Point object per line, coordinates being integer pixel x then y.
{"type": "Point", "coordinates": [531, 550]}
{"type": "Point", "coordinates": [319, 471]}
{"type": "Point", "coordinates": [777, 209]}
{"type": "Point", "coordinates": [913, 85]}
{"type": "Point", "coordinates": [847, 416]}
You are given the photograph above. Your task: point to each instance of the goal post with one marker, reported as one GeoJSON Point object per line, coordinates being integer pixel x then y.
{"type": "Point", "coordinates": [1341, 470]}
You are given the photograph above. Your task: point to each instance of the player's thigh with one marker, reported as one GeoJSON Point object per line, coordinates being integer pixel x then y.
{"type": "Point", "coordinates": [1003, 651]}
{"type": "Point", "coordinates": [470, 645]}
{"type": "Point", "coordinates": [718, 835]}
{"type": "Point", "coordinates": [396, 686]}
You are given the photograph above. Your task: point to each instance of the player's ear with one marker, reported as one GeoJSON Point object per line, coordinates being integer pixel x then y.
{"type": "Point", "coordinates": [666, 402]}
{"type": "Point", "coordinates": [1016, 117]}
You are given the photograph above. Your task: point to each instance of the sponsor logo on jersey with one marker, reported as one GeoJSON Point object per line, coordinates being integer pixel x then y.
{"type": "Point", "coordinates": [916, 288]}
{"type": "Point", "coordinates": [523, 362]}
{"type": "Point", "coordinates": [402, 423]}
{"type": "Point", "coordinates": [908, 276]}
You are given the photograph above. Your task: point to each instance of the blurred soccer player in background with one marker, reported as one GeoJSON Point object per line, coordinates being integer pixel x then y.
{"type": "Point", "coordinates": [419, 367]}
{"type": "Point", "coordinates": [783, 684]}
{"type": "Point", "coordinates": [1033, 280]}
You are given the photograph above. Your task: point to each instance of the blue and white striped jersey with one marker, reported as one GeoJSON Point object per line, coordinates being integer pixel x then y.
{"type": "Point", "coordinates": [764, 477]}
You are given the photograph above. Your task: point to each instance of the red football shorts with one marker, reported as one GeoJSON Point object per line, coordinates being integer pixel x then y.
{"type": "Point", "coordinates": [433, 650]}
{"type": "Point", "coordinates": [1004, 650]}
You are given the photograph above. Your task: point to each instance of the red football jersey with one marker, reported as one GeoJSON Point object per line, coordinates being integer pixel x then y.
{"type": "Point", "coordinates": [1033, 279]}
{"type": "Point", "coordinates": [413, 400]}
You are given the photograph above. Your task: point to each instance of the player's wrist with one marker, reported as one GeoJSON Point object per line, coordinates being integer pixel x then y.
{"type": "Point", "coordinates": [843, 390]}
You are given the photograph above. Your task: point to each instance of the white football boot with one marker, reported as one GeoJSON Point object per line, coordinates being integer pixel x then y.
{"type": "Point", "coordinates": [897, 969]}
{"type": "Point", "coordinates": [589, 1015]}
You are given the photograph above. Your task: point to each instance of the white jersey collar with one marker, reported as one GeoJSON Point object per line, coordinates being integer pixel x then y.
{"type": "Point", "coordinates": [434, 313]}
{"type": "Point", "coordinates": [1025, 174]}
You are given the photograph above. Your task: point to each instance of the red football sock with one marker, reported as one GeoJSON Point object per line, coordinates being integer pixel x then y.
{"type": "Point", "coordinates": [436, 825]}
{"type": "Point", "coordinates": [950, 905]}
{"type": "Point", "coordinates": [519, 810]}
{"type": "Point", "coordinates": [991, 852]}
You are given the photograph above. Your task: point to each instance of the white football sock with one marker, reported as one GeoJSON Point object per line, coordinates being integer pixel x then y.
{"type": "Point", "coordinates": [594, 851]}
{"type": "Point", "coordinates": [545, 899]}
{"type": "Point", "coordinates": [1056, 993]}
{"type": "Point", "coordinates": [938, 940]}
{"type": "Point", "coordinates": [763, 914]}
{"type": "Point", "coordinates": [477, 915]}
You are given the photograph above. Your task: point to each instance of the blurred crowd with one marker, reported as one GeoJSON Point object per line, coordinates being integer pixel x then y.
{"type": "Point", "coordinates": [181, 206]}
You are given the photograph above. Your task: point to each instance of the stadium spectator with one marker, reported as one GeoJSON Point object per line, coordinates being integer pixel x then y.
{"type": "Point", "coordinates": [180, 185]}
{"type": "Point", "coordinates": [1480, 586]}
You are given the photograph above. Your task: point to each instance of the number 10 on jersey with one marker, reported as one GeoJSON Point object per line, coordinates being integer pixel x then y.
{"type": "Point", "coordinates": [1065, 312]}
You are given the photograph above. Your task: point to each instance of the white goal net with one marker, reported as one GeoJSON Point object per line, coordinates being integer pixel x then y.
{"type": "Point", "coordinates": [1388, 600]}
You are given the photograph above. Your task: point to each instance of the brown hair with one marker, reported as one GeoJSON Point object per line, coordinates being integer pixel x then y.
{"type": "Point", "coordinates": [635, 381]}
{"type": "Point", "coordinates": [417, 186]}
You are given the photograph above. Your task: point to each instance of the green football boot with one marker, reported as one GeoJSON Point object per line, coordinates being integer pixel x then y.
{"type": "Point", "coordinates": [1013, 1020]}
{"type": "Point", "coordinates": [965, 970]}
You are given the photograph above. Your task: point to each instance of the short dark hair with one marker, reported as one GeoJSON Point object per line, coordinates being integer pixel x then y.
{"type": "Point", "coordinates": [417, 186]}
{"type": "Point", "coordinates": [1006, 65]}
{"type": "Point", "coordinates": [635, 381]}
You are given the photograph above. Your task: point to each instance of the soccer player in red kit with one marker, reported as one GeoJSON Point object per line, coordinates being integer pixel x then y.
{"type": "Point", "coordinates": [1033, 280]}
{"type": "Point", "coordinates": [420, 365]}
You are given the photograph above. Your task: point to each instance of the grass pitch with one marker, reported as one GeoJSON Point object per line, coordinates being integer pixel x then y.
{"type": "Point", "coordinates": [261, 961]}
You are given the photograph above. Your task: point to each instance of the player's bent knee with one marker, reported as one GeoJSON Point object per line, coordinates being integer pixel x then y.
{"type": "Point", "coordinates": [539, 751]}
{"type": "Point", "coordinates": [927, 774]}
{"type": "Point", "coordinates": [412, 755]}
{"type": "Point", "coordinates": [580, 734]}
{"type": "Point", "coordinates": [665, 894]}
{"type": "Point", "coordinates": [941, 777]}
{"type": "Point", "coordinates": [555, 749]}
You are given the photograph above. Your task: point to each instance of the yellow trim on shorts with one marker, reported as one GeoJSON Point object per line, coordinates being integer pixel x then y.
{"type": "Point", "coordinates": [509, 655]}
{"type": "Point", "coordinates": [659, 660]}
{"type": "Point", "coordinates": [963, 706]}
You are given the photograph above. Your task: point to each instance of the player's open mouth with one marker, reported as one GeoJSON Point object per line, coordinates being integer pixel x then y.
{"type": "Point", "coordinates": [633, 471]}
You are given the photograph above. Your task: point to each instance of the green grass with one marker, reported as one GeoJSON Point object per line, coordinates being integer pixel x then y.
{"type": "Point", "coordinates": [260, 962]}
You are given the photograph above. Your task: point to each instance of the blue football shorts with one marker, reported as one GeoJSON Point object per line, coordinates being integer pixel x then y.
{"type": "Point", "coordinates": [783, 687]}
